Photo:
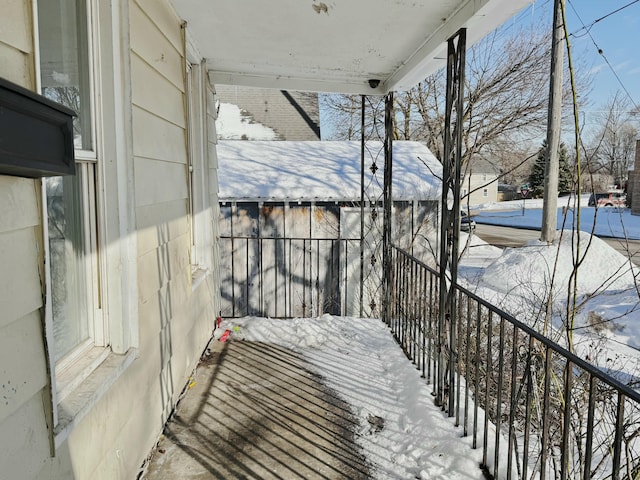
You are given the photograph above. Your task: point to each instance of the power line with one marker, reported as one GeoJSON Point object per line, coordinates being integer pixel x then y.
{"type": "Point", "coordinates": [600, 51]}
{"type": "Point", "coordinates": [588, 28]}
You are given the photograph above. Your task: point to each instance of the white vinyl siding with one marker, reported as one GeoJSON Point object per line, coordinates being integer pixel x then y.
{"type": "Point", "coordinates": [24, 439]}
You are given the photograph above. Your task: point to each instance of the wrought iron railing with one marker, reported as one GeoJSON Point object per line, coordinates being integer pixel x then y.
{"type": "Point", "coordinates": [536, 409]}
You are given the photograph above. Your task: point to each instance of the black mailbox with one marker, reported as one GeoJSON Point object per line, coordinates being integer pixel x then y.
{"type": "Point", "coordinates": [36, 134]}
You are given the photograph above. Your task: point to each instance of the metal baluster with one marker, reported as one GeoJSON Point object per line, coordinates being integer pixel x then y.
{"type": "Point", "coordinates": [617, 443]}
{"type": "Point", "coordinates": [467, 374]}
{"type": "Point", "coordinates": [564, 456]}
{"type": "Point", "coordinates": [477, 377]}
{"type": "Point", "coordinates": [590, 419]}
{"type": "Point", "coordinates": [527, 414]}
{"type": "Point", "coordinates": [498, 420]}
{"type": "Point", "coordinates": [485, 441]}
{"type": "Point", "coordinates": [458, 367]}
{"type": "Point", "coordinates": [545, 413]}
{"type": "Point", "coordinates": [513, 402]}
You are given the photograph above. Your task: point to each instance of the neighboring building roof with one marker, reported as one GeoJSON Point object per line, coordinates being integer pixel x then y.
{"type": "Point", "coordinates": [292, 116]}
{"type": "Point", "coordinates": [482, 166]}
{"type": "Point", "coordinates": [235, 124]}
{"type": "Point", "coordinates": [269, 170]}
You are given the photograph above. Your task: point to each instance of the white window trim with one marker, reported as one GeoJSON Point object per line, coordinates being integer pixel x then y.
{"type": "Point", "coordinates": [90, 370]}
{"type": "Point", "coordinates": [200, 211]}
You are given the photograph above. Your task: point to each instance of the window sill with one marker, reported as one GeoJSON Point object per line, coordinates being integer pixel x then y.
{"type": "Point", "coordinates": [79, 401]}
{"type": "Point", "coordinates": [198, 275]}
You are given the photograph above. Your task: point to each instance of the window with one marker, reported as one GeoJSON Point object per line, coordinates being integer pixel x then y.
{"type": "Point", "coordinates": [485, 192]}
{"type": "Point", "coordinates": [64, 61]}
{"type": "Point", "coordinates": [65, 77]}
{"type": "Point", "coordinates": [88, 210]}
{"type": "Point", "coordinates": [199, 212]}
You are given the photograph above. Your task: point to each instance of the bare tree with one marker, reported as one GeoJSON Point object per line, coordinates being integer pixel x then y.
{"type": "Point", "coordinates": [505, 101]}
{"type": "Point", "coordinates": [612, 147]}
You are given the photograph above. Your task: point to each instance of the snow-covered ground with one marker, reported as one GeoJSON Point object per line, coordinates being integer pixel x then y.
{"type": "Point", "coordinates": [515, 278]}
{"type": "Point", "coordinates": [609, 222]}
{"type": "Point", "coordinates": [359, 359]}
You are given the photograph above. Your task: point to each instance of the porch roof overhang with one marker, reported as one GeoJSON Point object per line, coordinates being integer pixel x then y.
{"type": "Point", "coordinates": [334, 45]}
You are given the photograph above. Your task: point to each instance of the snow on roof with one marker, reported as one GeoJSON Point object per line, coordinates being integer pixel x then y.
{"type": "Point", "coordinates": [235, 124]}
{"type": "Point", "coordinates": [322, 170]}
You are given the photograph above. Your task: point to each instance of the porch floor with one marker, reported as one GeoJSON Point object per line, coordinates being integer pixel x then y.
{"type": "Point", "coordinates": [258, 411]}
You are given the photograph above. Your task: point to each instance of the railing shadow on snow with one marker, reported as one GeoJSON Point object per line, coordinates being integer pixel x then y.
{"type": "Point", "coordinates": [536, 409]}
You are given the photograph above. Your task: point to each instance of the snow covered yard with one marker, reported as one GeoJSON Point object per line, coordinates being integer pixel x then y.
{"type": "Point", "coordinates": [603, 221]}
{"type": "Point", "coordinates": [518, 280]}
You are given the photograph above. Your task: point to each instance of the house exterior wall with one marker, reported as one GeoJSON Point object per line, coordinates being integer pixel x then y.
{"type": "Point", "coordinates": [633, 185]}
{"type": "Point", "coordinates": [293, 115]}
{"type": "Point", "coordinates": [174, 303]}
{"type": "Point", "coordinates": [483, 188]}
{"type": "Point", "coordinates": [24, 444]}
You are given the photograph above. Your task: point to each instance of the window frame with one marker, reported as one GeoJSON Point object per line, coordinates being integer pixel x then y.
{"type": "Point", "coordinates": [111, 224]}
{"type": "Point", "coordinates": [87, 173]}
{"type": "Point", "coordinates": [200, 223]}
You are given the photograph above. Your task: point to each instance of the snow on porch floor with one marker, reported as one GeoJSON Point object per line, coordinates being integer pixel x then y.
{"type": "Point", "coordinates": [324, 398]}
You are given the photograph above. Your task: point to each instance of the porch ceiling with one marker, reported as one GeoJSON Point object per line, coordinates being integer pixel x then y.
{"type": "Point", "coordinates": [335, 45]}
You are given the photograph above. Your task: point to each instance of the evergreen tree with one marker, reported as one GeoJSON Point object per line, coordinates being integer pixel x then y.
{"type": "Point", "coordinates": [565, 174]}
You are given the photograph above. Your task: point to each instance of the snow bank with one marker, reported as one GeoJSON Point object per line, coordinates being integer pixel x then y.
{"type": "Point", "coordinates": [532, 269]}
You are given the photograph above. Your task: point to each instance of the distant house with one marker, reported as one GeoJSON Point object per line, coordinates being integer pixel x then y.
{"type": "Point", "coordinates": [293, 210]}
{"type": "Point", "coordinates": [633, 184]}
{"type": "Point", "coordinates": [480, 183]}
{"type": "Point", "coordinates": [508, 192]}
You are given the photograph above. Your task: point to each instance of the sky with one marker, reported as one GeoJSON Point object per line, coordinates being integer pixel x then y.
{"type": "Point", "coordinates": [616, 36]}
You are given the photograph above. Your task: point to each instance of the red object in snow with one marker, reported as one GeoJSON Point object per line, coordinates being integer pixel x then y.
{"type": "Point", "coordinates": [225, 336]}
{"type": "Point", "coordinates": [218, 322]}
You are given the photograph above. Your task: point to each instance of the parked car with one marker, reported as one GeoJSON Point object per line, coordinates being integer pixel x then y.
{"type": "Point", "coordinates": [608, 199]}
{"type": "Point", "coordinates": [467, 224]}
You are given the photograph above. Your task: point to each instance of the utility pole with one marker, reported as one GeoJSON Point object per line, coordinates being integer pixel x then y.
{"type": "Point", "coordinates": [554, 125]}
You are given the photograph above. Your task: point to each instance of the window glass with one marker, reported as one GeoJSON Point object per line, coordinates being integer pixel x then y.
{"type": "Point", "coordinates": [67, 265]}
{"type": "Point", "coordinates": [65, 78]}
{"type": "Point", "coordinates": [64, 61]}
